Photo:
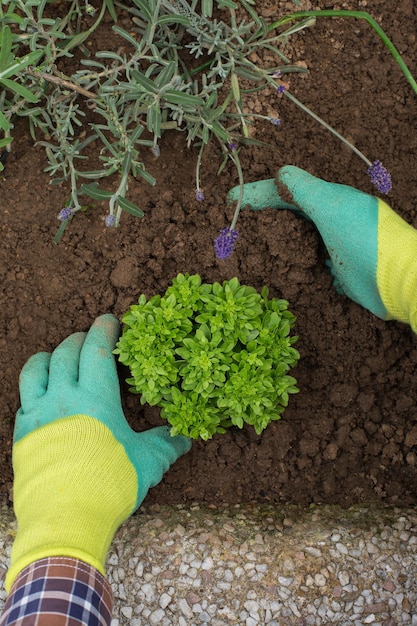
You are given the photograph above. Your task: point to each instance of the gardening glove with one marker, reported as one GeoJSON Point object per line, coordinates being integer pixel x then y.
{"type": "Point", "coordinates": [373, 251]}
{"type": "Point", "coordinates": [80, 470]}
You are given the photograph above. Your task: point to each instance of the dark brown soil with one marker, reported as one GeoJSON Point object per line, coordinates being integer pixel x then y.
{"type": "Point", "coordinates": [350, 435]}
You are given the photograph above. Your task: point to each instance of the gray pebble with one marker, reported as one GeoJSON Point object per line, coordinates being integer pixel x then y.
{"type": "Point", "coordinates": [341, 548]}
{"type": "Point", "coordinates": [185, 608]}
{"type": "Point", "coordinates": [320, 580]}
{"type": "Point", "coordinates": [127, 611]}
{"type": "Point", "coordinates": [251, 606]}
{"type": "Point", "coordinates": [164, 600]}
{"type": "Point", "coordinates": [312, 551]}
{"type": "Point", "coordinates": [156, 616]}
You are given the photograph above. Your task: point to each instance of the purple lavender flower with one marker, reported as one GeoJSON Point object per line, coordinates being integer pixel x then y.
{"type": "Point", "coordinates": [225, 243]}
{"type": "Point", "coordinates": [281, 89]}
{"type": "Point", "coordinates": [110, 220]}
{"type": "Point", "coordinates": [156, 151]}
{"type": "Point", "coordinates": [232, 145]}
{"type": "Point", "coordinates": [274, 120]}
{"type": "Point", "coordinates": [277, 74]}
{"type": "Point", "coordinates": [199, 195]}
{"type": "Point", "coordinates": [65, 213]}
{"type": "Point", "coordinates": [380, 177]}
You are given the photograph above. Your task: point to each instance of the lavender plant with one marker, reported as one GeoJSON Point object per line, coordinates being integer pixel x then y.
{"type": "Point", "coordinates": [176, 68]}
{"type": "Point", "coordinates": [210, 356]}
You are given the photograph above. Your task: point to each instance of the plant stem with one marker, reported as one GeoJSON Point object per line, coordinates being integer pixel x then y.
{"type": "Point", "coordinates": [236, 161]}
{"type": "Point", "coordinates": [198, 165]}
{"type": "Point", "coordinates": [323, 123]}
{"type": "Point", "coordinates": [121, 191]}
{"type": "Point", "coordinates": [61, 82]}
{"type": "Point", "coordinates": [359, 15]}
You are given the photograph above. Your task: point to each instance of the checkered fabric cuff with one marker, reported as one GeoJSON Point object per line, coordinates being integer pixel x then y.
{"type": "Point", "coordinates": [58, 591]}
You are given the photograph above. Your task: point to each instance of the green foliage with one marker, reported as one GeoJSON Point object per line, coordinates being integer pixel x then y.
{"type": "Point", "coordinates": [177, 67]}
{"type": "Point", "coordinates": [182, 65]}
{"type": "Point", "coordinates": [210, 355]}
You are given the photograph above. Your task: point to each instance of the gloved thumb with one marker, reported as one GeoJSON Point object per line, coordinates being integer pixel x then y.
{"type": "Point", "coordinates": [152, 452]}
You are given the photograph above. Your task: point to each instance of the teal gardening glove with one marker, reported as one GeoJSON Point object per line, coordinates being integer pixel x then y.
{"type": "Point", "coordinates": [80, 470]}
{"type": "Point", "coordinates": [373, 252]}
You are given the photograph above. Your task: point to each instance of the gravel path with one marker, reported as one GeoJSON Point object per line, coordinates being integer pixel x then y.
{"type": "Point", "coordinates": [250, 565]}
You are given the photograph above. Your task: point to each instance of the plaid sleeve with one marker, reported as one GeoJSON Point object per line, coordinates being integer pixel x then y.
{"type": "Point", "coordinates": [58, 591]}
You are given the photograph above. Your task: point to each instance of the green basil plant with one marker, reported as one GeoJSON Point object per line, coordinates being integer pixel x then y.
{"type": "Point", "coordinates": [210, 356]}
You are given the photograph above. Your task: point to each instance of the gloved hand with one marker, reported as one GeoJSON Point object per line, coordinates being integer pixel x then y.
{"type": "Point", "coordinates": [373, 252]}
{"type": "Point", "coordinates": [80, 470]}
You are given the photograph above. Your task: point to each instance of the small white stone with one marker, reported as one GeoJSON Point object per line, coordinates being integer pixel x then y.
{"type": "Point", "coordinates": [284, 593]}
{"type": "Point", "coordinates": [121, 592]}
{"type": "Point", "coordinates": [156, 616]}
{"type": "Point", "coordinates": [164, 600]}
{"type": "Point", "coordinates": [262, 567]}
{"type": "Point", "coordinates": [372, 549]}
{"type": "Point", "coordinates": [127, 611]}
{"type": "Point", "coordinates": [185, 608]}
{"type": "Point", "coordinates": [294, 609]}
{"type": "Point", "coordinates": [139, 569]}
{"type": "Point", "coordinates": [312, 551]}
{"type": "Point", "coordinates": [228, 575]}
{"type": "Point", "coordinates": [319, 580]}
{"type": "Point", "coordinates": [148, 591]}
{"type": "Point", "coordinates": [192, 572]}
{"type": "Point", "coordinates": [251, 606]}
{"type": "Point", "coordinates": [204, 617]}
{"type": "Point", "coordinates": [341, 548]}
{"type": "Point", "coordinates": [223, 585]}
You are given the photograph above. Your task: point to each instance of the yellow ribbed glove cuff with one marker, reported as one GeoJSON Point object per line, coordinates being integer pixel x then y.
{"type": "Point", "coordinates": [397, 265]}
{"type": "Point", "coordinates": [74, 486]}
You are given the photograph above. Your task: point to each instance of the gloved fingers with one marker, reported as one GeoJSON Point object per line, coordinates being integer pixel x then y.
{"type": "Point", "coordinates": [302, 188]}
{"type": "Point", "coordinates": [323, 201]}
{"type": "Point", "coordinates": [33, 381]}
{"type": "Point", "coordinates": [65, 360]}
{"type": "Point", "coordinates": [97, 362]}
{"type": "Point", "coordinates": [261, 194]}
{"type": "Point", "coordinates": [155, 451]}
